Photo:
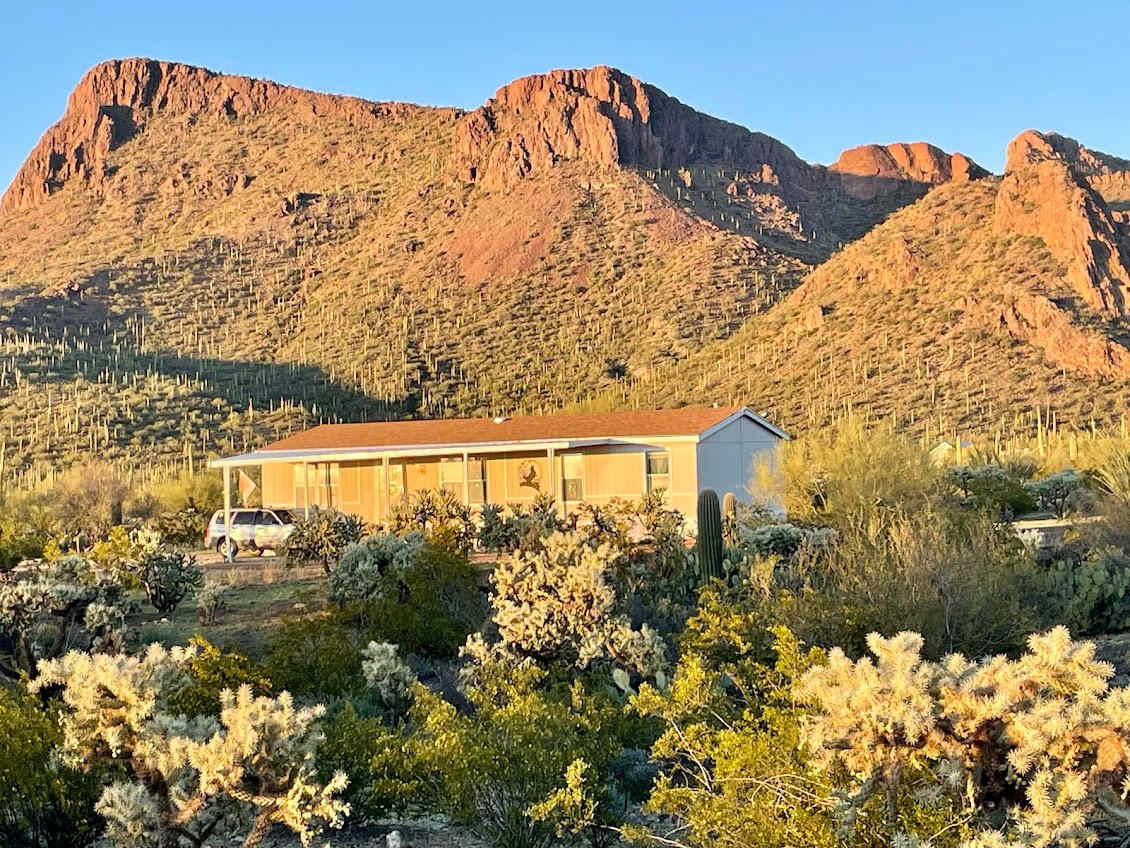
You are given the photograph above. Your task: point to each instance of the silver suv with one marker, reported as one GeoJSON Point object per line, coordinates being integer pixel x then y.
{"type": "Point", "coordinates": [254, 530]}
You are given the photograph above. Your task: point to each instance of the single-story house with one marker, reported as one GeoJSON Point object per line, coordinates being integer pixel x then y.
{"type": "Point", "coordinates": [367, 469]}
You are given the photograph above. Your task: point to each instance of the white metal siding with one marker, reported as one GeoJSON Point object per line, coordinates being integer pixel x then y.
{"type": "Point", "coordinates": [728, 456]}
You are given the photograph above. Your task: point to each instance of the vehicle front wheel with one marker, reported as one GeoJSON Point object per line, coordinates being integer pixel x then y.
{"type": "Point", "coordinates": [222, 548]}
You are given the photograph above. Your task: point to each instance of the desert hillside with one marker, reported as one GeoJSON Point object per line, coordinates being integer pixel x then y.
{"type": "Point", "coordinates": [192, 262]}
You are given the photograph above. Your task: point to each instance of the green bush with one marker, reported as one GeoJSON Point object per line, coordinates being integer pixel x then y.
{"type": "Point", "coordinates": [43, 804]}
{"type": "Point", "coordinates": [210, 671]}
{"type": "Point", "coordinates": [993, 488]}
{"type": "Point", "coordinates": [323, 537]}
{"type": "Point", "coordinates": [318, 654]}
{"type": "Point", "coordinates": [426, 605]}
{"type": "Point", "coordinates": [782, 540]}
{"type": "Point", "coordinates": [359, 745]}
{"type": "Point", "coordinates": [1090, 595]}
{"type": "Point", "coordinates": [512, 752]}
{"type": "Point", "coordinates": [495, 532]}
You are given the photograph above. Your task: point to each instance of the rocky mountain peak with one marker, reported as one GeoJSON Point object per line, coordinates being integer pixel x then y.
{"type": "Point", "coordinates": [1046, 192]}
{"type": "Point", "coordinates": [112, 101]}
{"type": "Point", "coordinates": [606, 117]}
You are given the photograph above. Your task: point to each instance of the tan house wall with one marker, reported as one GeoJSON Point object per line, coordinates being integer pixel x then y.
{"type": "Point", "coordinates": [608, 472]}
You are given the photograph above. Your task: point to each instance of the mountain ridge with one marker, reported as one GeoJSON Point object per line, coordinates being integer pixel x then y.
{"type": "Point", "coordinates": [193, 262]}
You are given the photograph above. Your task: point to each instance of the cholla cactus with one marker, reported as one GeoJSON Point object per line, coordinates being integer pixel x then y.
{"type": "Point", "coordinates": [49, 607]}
{"type": "Point", "coordinates": [374, 567]}
{"type": "Point", "coordinates": [210, 601]}
{"type": "Point", "coordinates": [258, 755]}
{"type": "Point", "coordinates": [557, 603]}
{"type": "Point", "coordinates": [1046, 723]}
{"type": "Point", "coordinates": [387, 673]}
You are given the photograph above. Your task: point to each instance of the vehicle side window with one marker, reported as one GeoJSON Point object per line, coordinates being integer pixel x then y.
{"type": "Point", "coordinates": [268, 518]}
{"type": "Point", "coordinates": [244, 519]}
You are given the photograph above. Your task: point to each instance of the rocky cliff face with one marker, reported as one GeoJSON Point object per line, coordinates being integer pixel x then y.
{"type": "Point", "coordinates": [606, 117]}
{"type": "Point", "coordinates": [873, 169]}
{"type": "Point", "coordinates": [1046, 193]}
{"type": "Point", "coordinates": [111, 103]}
{"type": "Point", "coordinates": [1038, 321]}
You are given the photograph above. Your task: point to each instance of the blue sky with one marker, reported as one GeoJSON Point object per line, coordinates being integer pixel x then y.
{"type": "Point", "coordinates": [820, 76]}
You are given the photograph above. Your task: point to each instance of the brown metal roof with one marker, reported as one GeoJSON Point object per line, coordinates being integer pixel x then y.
{"type": "Point", "coordinates": [687, 421]}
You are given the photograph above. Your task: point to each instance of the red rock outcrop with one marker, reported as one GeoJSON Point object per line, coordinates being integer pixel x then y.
{"type": "Point", "coordinates": [1039, 321]}
{"type": "Point", "coordinates": [871, 169]}
{"type": "Point", "coordinates": [113, 100]}
{"type": "Point", "coordinates": [606, 117]}
{"type": "Point", "coordinates": [1045, 194]}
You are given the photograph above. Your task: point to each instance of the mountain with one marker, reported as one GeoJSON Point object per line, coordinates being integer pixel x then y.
{"type": "Point", "coordinates": [193, 262]}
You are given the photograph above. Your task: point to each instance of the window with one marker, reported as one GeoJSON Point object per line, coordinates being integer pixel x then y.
{"type": "Point", "coordinates": [329, 475]}
{"type": "Point", "coordinates": [573, 477]}
{"type": "Point", "coordinates": [245, 518]}
{"type": "Point", "coordinates": [451, 477]}
{"type": "Point", "coordinates": [658, 471]}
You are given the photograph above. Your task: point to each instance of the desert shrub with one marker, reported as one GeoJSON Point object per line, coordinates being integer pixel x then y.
{"type": "Point", "coordinates": [121, 547]}
{"type": "Point", "coordinates": [1031, 751]}
{"type": "Point", "coordinates": [28, 520]}
{"type": "Point", "coordinates": [186, 776]}
{"type": "Point", "coordinates": [1090, 594]}
{"type": "Point", "coordinates": [782, 540]}
{"type": "Point", "coordinates": [89, 500]}
{"type": "Point", "coordinates": [850, 472]}
{"type": "Point", "coordinates": [365, 748]}
{"type": "Point", "coordinates": [1058, 492]}
{"type": "Point", "coordinates": [20, 542]}
{"type": "Point", "coordinates": [992, 488]}
{"type": "Point", "coordinates": [167, 576]}
{"type": "Point", "coordinates": [323, 537]}
{"type": "Point", "coordinates": [959, 578]}
{"type": "Point", "coordinates": [374, 567]}
{"type": "Point", "coordinates": [557, 605]}
{"type": "Point", "coordinates": [208, 672]}
{"type": "Point", "coordinates": [316, 655]}
{"type": "Point", "coordinates": [654, 578]}
{"type": "Point", "coordinates": [731, 770]}
{"type": "Point", "coordinates": [438, 605]}
{"type": "Point", "coordinates": [511, 752]}
{"type": "Point", "coordinates": [495, 532]}
{"type": "Point", "coordinates": [184, 527]}
{"type": "Point", "coordinates": [1112, 473]}
{"type": "Point", "coordinates": [51, 607]}
{"type": "Point", "coordinates": [43, 803]}
{"type": "Point", "coordinates": [526, 526]}
{"type": "Point", "coordinates": [211, 600]}
{"type": "Point", "coordinates": [435, 513]}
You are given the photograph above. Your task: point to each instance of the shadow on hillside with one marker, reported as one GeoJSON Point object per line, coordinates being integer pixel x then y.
{"type": "Point", "coordinates": [55, 342]}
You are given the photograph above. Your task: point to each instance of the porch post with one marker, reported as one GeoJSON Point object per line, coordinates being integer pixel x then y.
{"type": "Point", "coordinates": [559, 503]}
{"type": "Point", "coordinates": [466, 483]}
{"type": "Point", "coordinates": [227, 512]}
{"type": "Point", "coordinates": [388, 491]}
{"type": "Point", "coordinates": [306, 486]}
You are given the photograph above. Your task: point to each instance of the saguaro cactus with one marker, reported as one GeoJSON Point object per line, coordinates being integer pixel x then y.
{"type": "Point", "coordinates": [709, 544]}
